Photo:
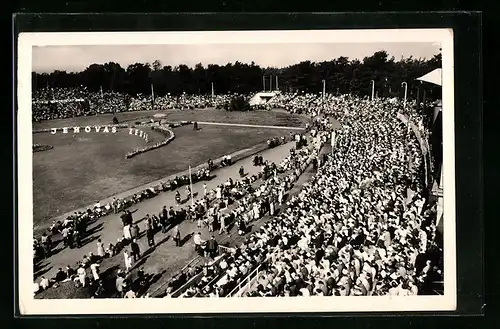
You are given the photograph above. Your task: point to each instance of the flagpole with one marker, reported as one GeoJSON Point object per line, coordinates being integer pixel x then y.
{"type": "Point", "coordinates": [333, 140]}
{"type": "Point", "coordinates": [152, 97]}
{"type": "Point", "coordinates": [191, 186]}
{"type": "Point", "coordinates": [406, 94]}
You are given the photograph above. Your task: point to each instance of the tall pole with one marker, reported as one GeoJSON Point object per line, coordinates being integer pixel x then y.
{"type": "Point", "coordinates": [191, 186]}
{"type": "Point", "coordinates": [270, 83]}
{"type": "Point", "coordinates": [324, 85]}
{"type": "Point", "coordinates": [112, 79]}
{"type": "Point", "coordinates": [406, 93]}
{"type": "Point", "coordinates": [418, 96]}
{"type": "Point", "coordinates": [373, 89]}
{"type": "Point", "coordinates": [102, 94]}
{"type": "Point", "coordinates": [333, 140]}
{"type": "Point", "coordinates": [152, 97]}
{"type": "Point", "coordinates": [213, 93]}
{"type": "Point", "coordinates": [263, 83]}
{"type": "Point", "coordinates": [276, 82]}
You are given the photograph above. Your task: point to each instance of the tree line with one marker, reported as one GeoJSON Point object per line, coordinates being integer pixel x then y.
{"type": "Point", "coordinates": [341, 75]}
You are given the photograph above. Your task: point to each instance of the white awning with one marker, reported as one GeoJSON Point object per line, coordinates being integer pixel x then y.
{"type": "Point", "coordinates": [434, 77]}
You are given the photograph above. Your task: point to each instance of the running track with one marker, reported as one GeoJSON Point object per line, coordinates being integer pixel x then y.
{"type": "Point", "coordinates": [250, 126]}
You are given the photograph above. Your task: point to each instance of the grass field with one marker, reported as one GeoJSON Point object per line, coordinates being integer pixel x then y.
{"type": "Point", "coordinates": [270, 118]}
{"type": "Point", "coordinates": [86, 167]}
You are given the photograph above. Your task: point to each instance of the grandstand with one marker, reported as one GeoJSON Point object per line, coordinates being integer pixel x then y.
{"type": "Point", "coordinates": [349, 206]}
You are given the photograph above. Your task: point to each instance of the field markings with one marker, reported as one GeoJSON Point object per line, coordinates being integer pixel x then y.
{"type": "Point", "coordinates": [247, 125]}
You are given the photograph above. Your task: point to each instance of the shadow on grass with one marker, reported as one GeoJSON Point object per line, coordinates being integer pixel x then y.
{"type": "Point", "coordinates": [140, 262]}
{"type": "Point", "coordinates": [186, 239]}
{"type": "Point", "coordinates": [56, 251]}
{"type": "Point", "coordinates": [165, 239]}
{"type": "Point", "coordinates": [151, 249]}
{"type": "Point", "coordinates": [38, 265]}
{"type": "Point", "coordinates": [230, 226]}
{"type": "Point", "coordinates": [41, 272]}
{"type": "Point", "coordinates": [95, 229]}
{"type": "Point", "coordinates": [88, 240]}
{"type": "Point", "coordinates": [142, 286]}
{"type": "Point", "coordinates": [109, 282]}
{"type": "Point", "coordinates": [140, 220]}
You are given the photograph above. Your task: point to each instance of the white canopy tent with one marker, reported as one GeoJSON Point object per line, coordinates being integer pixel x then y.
{"type": "Point", "coordinates": [434, 77]}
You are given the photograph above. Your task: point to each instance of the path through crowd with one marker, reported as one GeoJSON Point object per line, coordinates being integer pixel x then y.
{"type": "Point", "coordinates": [232, 238]}
{"type": "Point", "coordinates": [165, 259]}
{"type": "Point", "coordinates": [248, 125]}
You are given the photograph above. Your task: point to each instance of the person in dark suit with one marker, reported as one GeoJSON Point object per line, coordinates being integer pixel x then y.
{"type": "Point", "coordinates": [212, 246]}
{"type": "Point", "coordinates": [330, 283]}
{"type": "Point", "coordinates": [164, 219]}
{"type": "Point", "coordinates": [124, 218]}
{"type": "Point", "coordinates": [150, 233]}
{"type": "Point", "coordinates": [136, 251]}
{"type": "Point", "coordinates": [177, 236]}
{"type": "Point", "coordinates": [172, 215]}
{"type": "Point", "coordinates": [61, 275]}
{"type": "Point", "coordinates": [320, 238]}
{"type": "Point", "coordinates": [128, 218]}
{"type": "Point", "coordinates": [318, 256]}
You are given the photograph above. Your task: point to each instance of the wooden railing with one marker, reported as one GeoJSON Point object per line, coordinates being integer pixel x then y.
{"type": "Point", "coordinates": [424, 145]}
{"type": "Point", "coordinates": [195, 279]}
{"type": "Point", "coordinates": [247, 282]}
{"type": "Point", "coordinates": [225, 250]}
{"type": "Point", "coordinates": [244, 284]}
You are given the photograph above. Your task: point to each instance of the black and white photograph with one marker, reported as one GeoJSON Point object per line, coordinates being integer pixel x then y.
{"type": "Point", "coordinates": [268, 171]}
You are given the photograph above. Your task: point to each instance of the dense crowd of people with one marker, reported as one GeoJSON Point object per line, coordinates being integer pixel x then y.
{"type": "Point", "coordinates": [60, 103]}
{"type": "Point", "coordinates": [361, 226]}
{"type": "Point", "coordinates": [220, 278]}
{"type": "Point", "coordinates": [182, 102]}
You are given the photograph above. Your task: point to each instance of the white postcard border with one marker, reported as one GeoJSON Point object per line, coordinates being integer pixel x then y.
{"type": "Point", "coordinates": [30, 306]}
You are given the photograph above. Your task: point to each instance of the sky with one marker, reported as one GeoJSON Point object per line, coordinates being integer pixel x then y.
{"type": "Point", "coordinates": [77, 58]}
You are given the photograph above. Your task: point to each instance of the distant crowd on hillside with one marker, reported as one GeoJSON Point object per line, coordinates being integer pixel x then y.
{"type": "Point", "coordinates": [61, 103]}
